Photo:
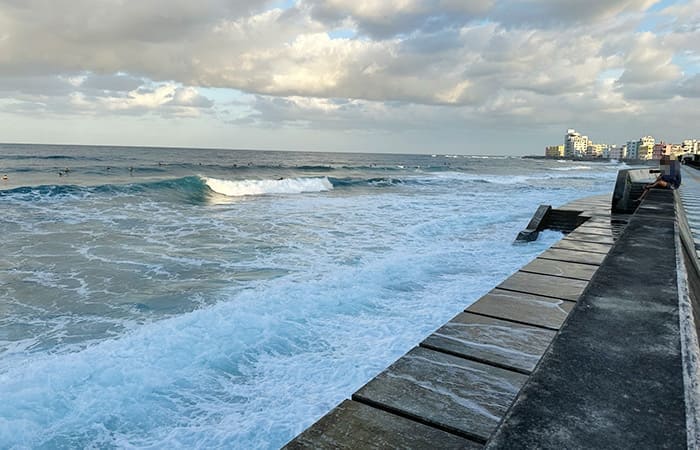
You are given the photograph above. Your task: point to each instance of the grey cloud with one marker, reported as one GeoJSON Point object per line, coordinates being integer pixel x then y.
{"type": "Point", "coordinates": [150, 21]}
{"type": "Point", "coordinates": [346, 114]}
{"type": "Point", "coordinates": [690, 87]}
{"type": "Point", "coordinates": [44, 85]}
{"type": "Point", "coordinates": [547, 13]}
{"type": "Point", "coordinates": [386, 19]}
{"type": "Point", "coordinates": [112, 82]}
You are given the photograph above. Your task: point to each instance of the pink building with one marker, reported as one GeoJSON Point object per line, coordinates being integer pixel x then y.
{"type": "Point", "coordinates": [661, 149]}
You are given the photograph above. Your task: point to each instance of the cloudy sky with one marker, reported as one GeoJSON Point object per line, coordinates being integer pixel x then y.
{"type": "Point", "coordinates": [414, 76]}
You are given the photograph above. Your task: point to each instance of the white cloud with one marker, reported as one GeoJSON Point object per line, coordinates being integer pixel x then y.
{"type": "Point", "coordinates": [442, 61]}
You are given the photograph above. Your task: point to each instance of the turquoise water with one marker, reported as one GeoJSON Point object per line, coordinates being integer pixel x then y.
{"type": "Point", "coordinates": [205, 298]}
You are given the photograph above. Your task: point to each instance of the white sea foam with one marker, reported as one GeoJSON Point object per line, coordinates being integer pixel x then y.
{"type": "Point", "coordinates": [240, 188]}
{"type": "Point", "coordinates": [253, 367]}
{"type": "Point", "coordinates": [236, 374]}
{"type": "Point", "coordinates": [572, 168]}
{"type": "Point", "coordinates": [237, 325]}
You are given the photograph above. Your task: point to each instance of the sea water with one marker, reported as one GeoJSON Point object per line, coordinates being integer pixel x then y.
{"type": "Point", "coordinates": [193, 298]}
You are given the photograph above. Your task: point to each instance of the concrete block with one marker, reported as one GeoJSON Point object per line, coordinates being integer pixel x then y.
{"type": "Point", "coordinates": [573, 256]}
{"type": "Point", "coordinates": [507, 344]}
{"type": "Point", "coordinates": [545, 285]}
{"type": "Point", "coordinates": [561, 269]}
{"type": "Point", "coordinates": [455, 394]}
{"type": "Point", "coordinates": [582, 246]}
{"type": "Point", "coordinates": [525, 308]}
{"type": "Point", "coordinates": [352, 425]}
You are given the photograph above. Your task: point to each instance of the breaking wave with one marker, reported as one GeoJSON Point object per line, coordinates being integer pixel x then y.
{"type": "Point", "coordinates": [240, 188]}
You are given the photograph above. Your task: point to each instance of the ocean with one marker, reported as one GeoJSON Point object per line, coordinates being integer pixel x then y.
{"type": "Point", "coordinates": [195, 298]}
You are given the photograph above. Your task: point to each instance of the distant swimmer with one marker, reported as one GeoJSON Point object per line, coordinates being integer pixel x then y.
{"type": "Point", "coordinates": [4, 178]}
{"type": "Point", "coordinates": [60, 174]}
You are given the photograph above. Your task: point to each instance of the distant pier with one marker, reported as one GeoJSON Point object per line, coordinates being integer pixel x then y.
{"type": "Point", "coordinates": [580, 348]}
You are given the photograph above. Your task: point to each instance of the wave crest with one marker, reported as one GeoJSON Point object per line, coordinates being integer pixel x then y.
{"type": "Point", "coordinates": [240, 188]}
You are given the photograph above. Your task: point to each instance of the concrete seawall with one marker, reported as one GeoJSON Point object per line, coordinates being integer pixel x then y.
{"type": "Point", "coordinates": [587, 346]}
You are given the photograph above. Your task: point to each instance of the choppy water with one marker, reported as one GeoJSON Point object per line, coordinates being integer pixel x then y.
{"type": "Point", "coordinates": [190, 298]}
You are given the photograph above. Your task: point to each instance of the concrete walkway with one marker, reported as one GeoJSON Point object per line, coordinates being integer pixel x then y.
{"type": "Point", "coordinates": [613, 377]}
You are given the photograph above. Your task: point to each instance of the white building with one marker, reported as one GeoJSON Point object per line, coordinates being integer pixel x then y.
{"type": "Point", "coordinates": [632, 149]}
{"type": "Point", "coordinates": [614, 152]}
{"type": "Point", "coordinates": [691, 146]}
{"type": "Point", "coordinates": [595, 150]}
{"type": "Point", "coordinates": [648, 141]}
{"type": "Point", "coordinates": [575, 145]}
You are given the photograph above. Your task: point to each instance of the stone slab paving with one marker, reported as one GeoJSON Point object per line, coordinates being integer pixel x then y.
{"type": "Point", "coordinates": [560, 269]}
{"type": "Point", "coordinates": [544, 285]}
{"type": "Point", "coordinates": [499, 342]}
{"type": "Point", "coordinates": [454, 394]}
{"type": "Point", "coordinates": [591, 237]}
{"type": "Point", "coordinates": [582, 246]}
{"type": "Point", "coordinates": [573, 256]}
{"type": "Point", "coordinates": [523, 308]}
{"type": "Point", "coordinates": [607, 231]}
{"type": "Point", "coordinates": [352, 425]}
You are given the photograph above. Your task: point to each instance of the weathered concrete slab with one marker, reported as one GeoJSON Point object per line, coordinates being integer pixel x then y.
{"type": "Point", "coordinates": [588, 237]}
{"type": "Point", "coordinates": [573, 256]}
{"type": "Point", "coordinates": [603, 231]}
{"type": "Point", "coordinates": [454, 394]}
{"type": "Point", "coordinates": [493, 341]}
{"type": "Point", "coordinates": [525, 308]}
{"type": "Point", "coordinates": [582, 246]}
{"type": "Point", "coordinates": [544, 285]}
{"type": "Point", "coordinates": [353, 425]}
{"type": "Point", "coordinates": [613, 376]}
{"type": "Point", "coordinates": [601, 200]}
{"type": "Point", "coordinates": [561, 269]}
{"type": "Point", "coordinates": [605, 222]}
{"type": "Point", "coordinates": [596, 212]}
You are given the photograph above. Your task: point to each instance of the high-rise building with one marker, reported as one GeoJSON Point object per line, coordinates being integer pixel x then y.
{"type": "Point", "coordinates": [647, 140]}
{"type": "Point", "coordinates": [595, 150]}
{"type": "Point", "coordinates": [660, 150]}
{"type": "Point", "coordinates": [575, 145]}
{"type": "Point", "coordinates": [615, 152]}
{"type": "Point", "coordinates": [691, 146]}
{"type": "Point", "coordinates": [554, 151]}
{"type": "Point", "coordinates": [632, 149]}
{"type": "Point", "coordinates": [646, 152]}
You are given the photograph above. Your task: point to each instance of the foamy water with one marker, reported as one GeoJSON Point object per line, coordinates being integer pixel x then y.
{"type": "Point", "coordinates": [143, 311]}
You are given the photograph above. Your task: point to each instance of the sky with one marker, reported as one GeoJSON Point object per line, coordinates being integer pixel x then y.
{"type": "Point", "coordinates": [400, 76]}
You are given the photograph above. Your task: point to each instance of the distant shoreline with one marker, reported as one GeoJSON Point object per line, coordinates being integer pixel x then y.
{"type": "Point", "coordinates": [602, 160]}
